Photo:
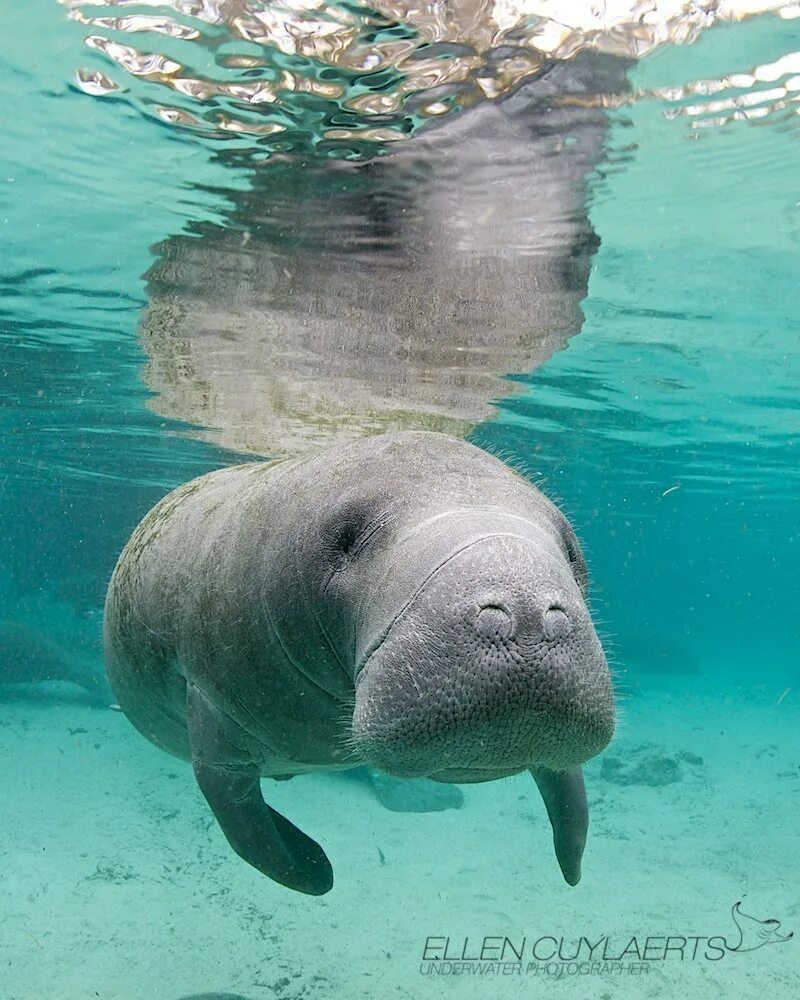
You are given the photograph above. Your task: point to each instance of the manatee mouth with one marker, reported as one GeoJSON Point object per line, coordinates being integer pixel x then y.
{"type": "Point", "coordinates": [455, 755]}
{"type": "Point", "coordinates": [404, 728]}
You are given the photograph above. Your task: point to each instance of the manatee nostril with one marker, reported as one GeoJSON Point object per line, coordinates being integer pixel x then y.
{"type": "Point", "coordinates": [556, 624]}
{"type": "Point", "coordinates": [494, 623]}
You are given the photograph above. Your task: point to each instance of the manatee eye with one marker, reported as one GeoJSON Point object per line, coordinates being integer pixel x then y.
{"type": "Point", "coordinates": [348, 528]}
{"type": "Point", "coordinates": [344, 544]}
{"type": "Point", "coordinates": [494, 623]}
{"type": "Point", "coordinates": [346, 539]}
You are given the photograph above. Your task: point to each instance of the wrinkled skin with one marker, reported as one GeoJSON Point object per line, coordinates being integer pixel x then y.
{"type": "Point", "coordinates": [405, 601]}
{"type": "Point", "coordinates": [477, 677]}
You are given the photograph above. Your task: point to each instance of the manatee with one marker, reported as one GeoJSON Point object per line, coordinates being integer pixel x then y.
{"type": "Point", "coordinates": [30, 656]}
{"type": "Point", "coordinates": [405, 601]}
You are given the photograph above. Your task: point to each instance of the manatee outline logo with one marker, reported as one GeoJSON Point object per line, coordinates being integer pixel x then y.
{"type": "Point", "coordinates": [753, 933]}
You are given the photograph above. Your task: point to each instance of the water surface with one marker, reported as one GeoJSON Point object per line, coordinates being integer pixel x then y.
{"type": "Point", "coordinates": [248, 229]}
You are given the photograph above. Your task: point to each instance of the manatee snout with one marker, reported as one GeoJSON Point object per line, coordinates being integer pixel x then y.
{"type": "Point", "coordinates": [492, 668]}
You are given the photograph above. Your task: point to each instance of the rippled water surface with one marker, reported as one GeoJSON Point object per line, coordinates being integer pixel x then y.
{"type": "Point", "coordinates": [571, 232]}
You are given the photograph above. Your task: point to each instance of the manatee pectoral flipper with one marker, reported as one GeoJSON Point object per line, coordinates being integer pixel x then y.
{"type": "Point", "coordinates": [564, 796]}
{"type": "Point", "coordinates": [229, 780]}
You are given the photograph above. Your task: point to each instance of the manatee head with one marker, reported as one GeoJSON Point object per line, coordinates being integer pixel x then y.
{"type": "Point", "coordinates": [491, 665]}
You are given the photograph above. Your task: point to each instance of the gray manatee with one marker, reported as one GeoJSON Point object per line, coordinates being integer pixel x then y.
{"type": "Point", "coordinates": [32, 652]}
{"type": "Point", "coordinates": [405, 601]}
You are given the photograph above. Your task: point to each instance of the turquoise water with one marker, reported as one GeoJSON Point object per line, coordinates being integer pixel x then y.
{"type": "Point", "coordinates": [685, 375]}
{"type": "Point", "coordinates": [666, 428]}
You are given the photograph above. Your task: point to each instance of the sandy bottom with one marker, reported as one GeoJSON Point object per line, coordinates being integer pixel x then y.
{"type": "Point", "coordinates": [116, 882]}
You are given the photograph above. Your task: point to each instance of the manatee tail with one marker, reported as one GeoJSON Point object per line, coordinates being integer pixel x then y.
{"type": "Point", "coordinates": [229, 780]}
{"type": "Point", "coordinates": [564, 796]}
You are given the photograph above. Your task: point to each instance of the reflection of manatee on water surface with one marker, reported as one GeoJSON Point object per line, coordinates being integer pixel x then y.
{"type": "Point", "coordinates": [348, 298]}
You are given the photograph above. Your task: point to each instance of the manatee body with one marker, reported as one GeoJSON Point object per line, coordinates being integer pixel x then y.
{"type": "Point", "coordinates": [405, 601]}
